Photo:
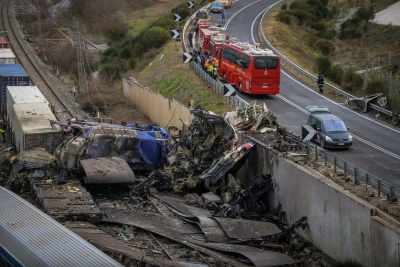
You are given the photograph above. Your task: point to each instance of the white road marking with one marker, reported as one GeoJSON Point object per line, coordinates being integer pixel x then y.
{"type": "Point", "coordinates": [338, 104]}
{"type": "Point", "coordinates": [237, 12]}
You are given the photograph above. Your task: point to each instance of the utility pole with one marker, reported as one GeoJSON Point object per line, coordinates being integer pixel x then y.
{"type": "Point", "coordinates": [39, 23]}
{"type": "Point", "coordinates": [81, 76]}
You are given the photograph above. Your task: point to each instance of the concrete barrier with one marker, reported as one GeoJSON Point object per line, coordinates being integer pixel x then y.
{"type": "Point", "coordinates": [340, 224]}
{"type": "Point", "coordinates": [162, 111]}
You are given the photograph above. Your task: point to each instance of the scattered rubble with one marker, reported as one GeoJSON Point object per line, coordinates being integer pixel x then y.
{"type": "Point", "coordinates": [197, 147]}
{"type": "Point", "coordinates": [253, 117]}
{"type": "Point", "coordinates": [126, 179]}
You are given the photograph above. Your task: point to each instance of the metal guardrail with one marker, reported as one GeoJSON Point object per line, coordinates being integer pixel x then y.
{"type": "Point", "coordinates": [304, 72]}
{"type": "Point", "coordinates": [342, 166]}
{"type": "Point", "coordinates": [338, 163]}
{"type": "Point", "coordinates": [214, 84]}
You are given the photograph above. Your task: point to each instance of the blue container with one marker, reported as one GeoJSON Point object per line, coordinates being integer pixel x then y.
{"type": "Point", "coordinates": [11, 75]}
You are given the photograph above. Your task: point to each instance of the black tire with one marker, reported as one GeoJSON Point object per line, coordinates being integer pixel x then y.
{"type": "Point", "coordinates": [240, 88]}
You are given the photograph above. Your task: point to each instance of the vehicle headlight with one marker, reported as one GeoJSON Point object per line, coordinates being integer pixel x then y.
{"type": "Point", "coordinates": [350, 137]}
{"type": "Point", "coordinates": [327, 138]}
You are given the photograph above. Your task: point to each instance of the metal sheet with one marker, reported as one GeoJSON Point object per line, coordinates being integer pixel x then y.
{"type": "Point", "coordinates": [157, 224]}
{"type": "Point", "coordinates": [178, 203]}
{"type": "Point", "coordinates": [108, 243]}
{"type": "Point", "coordinates": [213, 230]}
{"type": "Point", "coordinates": [260, 258]}
{"type": "Point", "coordinates": [246, 229]}
{"type": "Point", "coordinates": [107, 171]}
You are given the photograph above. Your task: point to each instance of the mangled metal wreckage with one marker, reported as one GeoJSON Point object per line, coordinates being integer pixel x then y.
{"type": "Point", "coordinates": [109, 153]}
{"type": "Point", "coordinates": [203, 151]}
{"type": "Point", "coordinates": [200, 161]}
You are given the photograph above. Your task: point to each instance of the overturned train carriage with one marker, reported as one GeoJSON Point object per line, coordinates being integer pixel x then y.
{"type": "Point", "coordinates": [109, 153]}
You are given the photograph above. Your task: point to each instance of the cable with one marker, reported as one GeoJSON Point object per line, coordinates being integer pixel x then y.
{"type": "Point", "coordinates": [94, 82]}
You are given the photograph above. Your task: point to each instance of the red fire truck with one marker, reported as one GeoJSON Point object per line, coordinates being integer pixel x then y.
{"type": "Point", "coordinates": [216, 42]}
{"type": "Point", "coordinates": [251, 69]}
{"type": "Point", "coordinates": [204, 36]}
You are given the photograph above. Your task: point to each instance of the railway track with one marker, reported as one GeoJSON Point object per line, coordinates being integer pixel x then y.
{"type": "Point", "coordinates": [36, 74]}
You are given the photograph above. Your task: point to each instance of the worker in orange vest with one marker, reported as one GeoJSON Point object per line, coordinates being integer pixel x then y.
{"type": "Point", "coordinates": [206, 64]}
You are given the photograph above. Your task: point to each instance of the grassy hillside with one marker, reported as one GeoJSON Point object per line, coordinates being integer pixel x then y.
{"type": "Point", "coordinates": [336, 38]}
{"type": "Point", "coordinates": [169, 76]}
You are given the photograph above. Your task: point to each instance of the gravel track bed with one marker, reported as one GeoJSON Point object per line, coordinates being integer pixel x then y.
{"type": "Point", "coordinates": [51, 87]}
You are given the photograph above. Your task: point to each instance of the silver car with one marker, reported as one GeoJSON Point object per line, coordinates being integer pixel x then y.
{"type": "Point", "coordinates": [217, 7]}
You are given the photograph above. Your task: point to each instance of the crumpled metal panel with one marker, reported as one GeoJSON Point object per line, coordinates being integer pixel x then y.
{"type": "Point", "coordinates": [227, 164]}
{"type": "Point", "coordinates": [212, 229]}
{"type": "Point", "coordinates": [246, 229]}
{"type": "Point", "coordinates": [180, 205]}
{"type": "Point", "coordinates": [362, 102]}
{"type": "Point", "coordinates": [107, 171]}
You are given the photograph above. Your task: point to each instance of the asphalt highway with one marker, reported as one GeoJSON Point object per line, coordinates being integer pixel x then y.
{"type": "Point", "coordinates": [376, 145]}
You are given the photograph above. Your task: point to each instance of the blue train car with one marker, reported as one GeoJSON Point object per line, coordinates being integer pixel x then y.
{"type": "Point", "coordinates": [29, 237]}
{"type": "Point", "coordinates": [11, 75]}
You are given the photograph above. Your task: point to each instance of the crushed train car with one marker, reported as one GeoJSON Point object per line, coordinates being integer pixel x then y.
{"type": "Point", "coordinates": [108, 153]}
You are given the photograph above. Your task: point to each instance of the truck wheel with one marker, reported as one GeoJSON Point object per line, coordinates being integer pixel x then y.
{"type": "Point", "coordinates": [240, 88]}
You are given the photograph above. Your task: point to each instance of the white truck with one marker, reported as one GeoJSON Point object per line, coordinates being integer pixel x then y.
{"type": "Point", "coordinates": [31, 127]}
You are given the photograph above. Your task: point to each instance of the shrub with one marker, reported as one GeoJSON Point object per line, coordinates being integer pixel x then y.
{"type": "Point", "coordinates": [132, 63]}
{"type": "Point", "coordinates": [326, 47]}
{"type": "Point", "coordinates": [283, 17]}
{"type": "Point", "coordinates": [182, 10]}
{"type": "Point", "coordinates": [335, 74]}
{"type": "Point", "coordinates": [375, 86]}
{"type": "Point", "coordinates": [351, 79]}
{"type": "Point", "coordinates": [284, 6]}
{"type": "Point", "coordinates": [318, 26]}
{"type": "Point", "coordinates": [125, 52]}
{"type": "Point", "coordinates": [302, 16]}
{"type": "Point", "coordinates": [111, 51]}
{"type": "Point", "coordinates": [155, 37]}
{"type": "Point", "coordinates": [332, 13]}
{"type": "Point", "coordinates": [297, 5]}
{"type": "Point", "coordinates": [394, 67]}
{"type": "Point", "coordinates": [94, 66]}
{"type": "Point", "coordinates": [329, 35]}
{"type": "Point", "coordinates": [104, 59]}
{"type": "Point", "coordinates": [165, 22]}
{"type": "Point", "coordinates": [322, 64]}
{"type": "Point", "coordinates": [116, 29]}
{"type": "Point", "coordinates": [350, 29]}
{"type": "Point", "coordinates": [350, 32]}
{"type": "Point", "coordinates": [111, 72]}
{"type": "Point", "coordinates": [365, 14]}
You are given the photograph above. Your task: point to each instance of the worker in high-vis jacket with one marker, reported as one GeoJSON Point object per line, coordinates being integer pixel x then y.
{"type": "Point", "coordinates": [3, 130]}
{"type": "Point", "coordinates": [211, 69]}
{"type": "Point", "coordinates": [215, 71]}
{"type": "Point", "coordinates": [206, 64]}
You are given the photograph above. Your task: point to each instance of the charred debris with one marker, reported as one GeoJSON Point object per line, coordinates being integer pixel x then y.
{"type": "Point", "coordinates": [190, 171]}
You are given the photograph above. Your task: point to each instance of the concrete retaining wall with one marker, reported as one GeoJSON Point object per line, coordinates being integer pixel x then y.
{"type": "Point", "coordinates": [162, 111]}
{"type": "Point", "coordinates": [340, 224]}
